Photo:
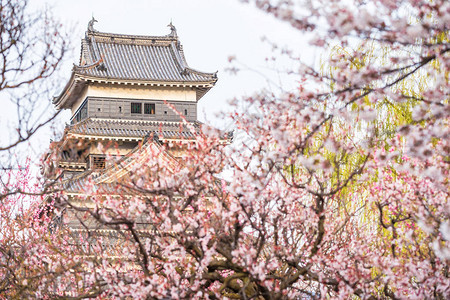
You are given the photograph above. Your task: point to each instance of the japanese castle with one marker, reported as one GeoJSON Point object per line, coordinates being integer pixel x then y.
{"type": "Point", "coordinates": [128, 93]}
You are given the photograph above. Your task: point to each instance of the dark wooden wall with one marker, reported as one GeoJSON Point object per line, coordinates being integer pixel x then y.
{"type": "Point", "coordinates": [115, 108]}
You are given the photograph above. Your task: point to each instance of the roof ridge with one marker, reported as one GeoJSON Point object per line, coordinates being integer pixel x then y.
{"type": "Point", "coordinates": [176, 54]}
{"type": "Point", "coordinates": [167, 37]}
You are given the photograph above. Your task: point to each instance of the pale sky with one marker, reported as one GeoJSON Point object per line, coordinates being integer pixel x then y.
{"type": "Point", "coordinates": [209, 30]}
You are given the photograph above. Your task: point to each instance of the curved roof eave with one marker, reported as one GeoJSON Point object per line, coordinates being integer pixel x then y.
{"type": "Point", "coordinates": [70, 92]}
{"type": "Point", "coordinates": [184, 66]}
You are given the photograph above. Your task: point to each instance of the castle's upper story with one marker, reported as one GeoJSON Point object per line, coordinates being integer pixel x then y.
{"type": "Point", "coordinates": [133, 77]}
{"type": "Point", "coordinates": [128, 93]}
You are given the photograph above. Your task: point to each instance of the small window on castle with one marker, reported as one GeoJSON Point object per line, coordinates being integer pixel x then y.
{"type": "Point", "coordinates": [98, 109]}
{"type": "Point", "coordinates": [98, 162]}
{"type": "Point", "coordinates": [165, 112]}
{"type": "Point", "coordinates": [185, 112]}
{"type": "Point", "coordinates": [120, 108]}
{"type": "Point", "coordinates": [136, 108]}
{"type": "Point", "coordinates": [149, 108]}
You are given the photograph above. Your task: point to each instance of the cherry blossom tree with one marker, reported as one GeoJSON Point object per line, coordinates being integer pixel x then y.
{"type": "Point", "coordinates": [339, 190]}
{"type": "Point", "coordinates": [32, 47]}
{"type": "Point", "coordinates": [36, 260]}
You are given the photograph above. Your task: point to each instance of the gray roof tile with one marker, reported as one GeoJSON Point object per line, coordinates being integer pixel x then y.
{"type": "Point", "coordinates": [139, 58]}
{"type": "Point", "coordinates": [134, 129]}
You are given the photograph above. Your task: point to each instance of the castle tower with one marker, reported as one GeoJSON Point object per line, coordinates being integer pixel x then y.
{"type": "Point", "coordinates": [128, 93]}
{"type": "Point", "coordinates": [125, 88]}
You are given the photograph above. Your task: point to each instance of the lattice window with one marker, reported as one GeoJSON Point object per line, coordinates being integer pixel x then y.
{"type": "Point", "coordinates": [98, 162]}
{"type": "Point", "coordinates": [136, 108]}
{"type": "Point", "coordinates": [149, 108]}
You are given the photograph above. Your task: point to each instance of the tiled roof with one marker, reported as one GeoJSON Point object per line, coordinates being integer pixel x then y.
{"type": "Point", "coordinates": [87, 184]}
{"type": "Point", "coordinates": [133, 129]}
{"type": "Point", "coordinates": [140, 58]}
{"type": "Point", "coordinates": [108, 180]}
{"type": "Point", "coordinates": [132, 59]}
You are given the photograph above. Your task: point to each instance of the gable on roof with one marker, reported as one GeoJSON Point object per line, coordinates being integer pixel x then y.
{"type": "Point", "coordinates": [115, 178]}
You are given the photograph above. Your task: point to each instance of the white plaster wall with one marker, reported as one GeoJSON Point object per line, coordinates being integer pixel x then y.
{"type": "Point", "coordinates": [142, 92]}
